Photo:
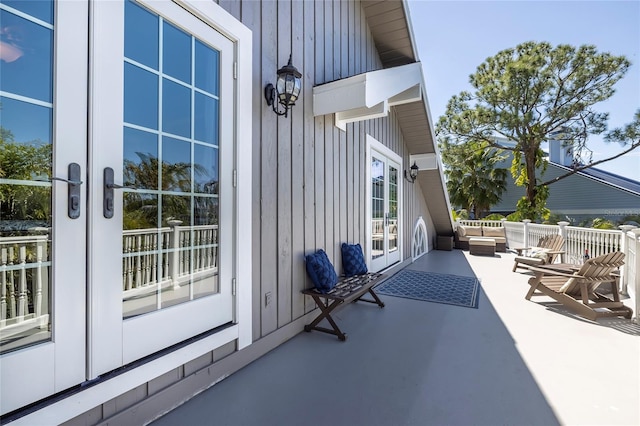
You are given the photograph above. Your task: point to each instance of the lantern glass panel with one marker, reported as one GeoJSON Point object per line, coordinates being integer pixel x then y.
{"type": "Point", "coordinates": [280, 84]}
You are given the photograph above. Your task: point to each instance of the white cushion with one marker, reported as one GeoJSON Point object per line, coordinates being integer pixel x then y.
{"type": "Point", "coordinates": [482, 242]}
{"type": "Point", "coordinates": [539, 252]}
{"type": "Point", "coordinates": [492, 231]}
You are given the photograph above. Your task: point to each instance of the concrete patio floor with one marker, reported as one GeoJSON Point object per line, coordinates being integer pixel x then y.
{"type": "Point", "coordinates": [509, 362]}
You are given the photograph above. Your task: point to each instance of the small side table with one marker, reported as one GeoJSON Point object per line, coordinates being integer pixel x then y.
{"type": "Point", "coordinates": [444, 242]}
{"type": "Point", "coordinates": [482, 246]}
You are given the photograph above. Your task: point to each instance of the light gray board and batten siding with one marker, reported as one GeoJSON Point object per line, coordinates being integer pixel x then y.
{"type": "Point", "coordinates": [577, 194]}
{"type": "Point", "coordinates": [309, 177]}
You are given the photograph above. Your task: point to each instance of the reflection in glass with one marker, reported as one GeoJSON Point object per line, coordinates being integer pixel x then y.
{"type": "Point", "coordinates": [205, 247]}
{"type": "Point", "coordinates": [26, 53]}
{"type": "Point", "coordinates": [206, 119]}
{"type": "Point", "coordinates": [176, 207]}
{"type": "Point", "coordinates": [140, 159]}
{"type": "Point", "coordinates": [377, 208]}
{"type": "Point", "coordinates": [176, 109]}
{"type": "Point", "coordinates": [25, 124]}
{"type": "Point", "coordinates": [25, 250]}
{"type": "Point", "coordinates": [141, 243]}
{"type": "Point", "coordinates": [393, 209]}
{"type": "Point", "coordinates": [170, 235]}
{"type": "Point", "coordinates": [26, 57]}
{"type": "Point", "coordinates": [40, 9]}
{"type": "Point", "coordinates": [176, 53]}
{"type": "Point", "coordinates": [176, 165]}
{"type": "Point", "coordinates": [206, 166]}
{"type": "Point", "coordinates": [207, 68]}
{"type": "Point", "coordinates": [140, 211]}
{"type": "Point", "coordinates": [140, 97]}
{"type": "Point", "coordinates": [141, 33]}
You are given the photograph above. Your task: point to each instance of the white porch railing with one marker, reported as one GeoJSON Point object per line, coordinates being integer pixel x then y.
{"type": "Point", "coordinates": [580, 242]}
{"type": "Point", "coordinates": [24, 281]}
{"type": "Point", "coordinates": [167, 256]}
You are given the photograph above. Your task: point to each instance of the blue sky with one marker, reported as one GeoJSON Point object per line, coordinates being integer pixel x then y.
{"type": "Point", "coordinates": [454, 37]}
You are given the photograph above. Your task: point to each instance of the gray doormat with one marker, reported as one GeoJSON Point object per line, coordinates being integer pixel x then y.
{"type": "Point", "coordinates": [432, 287]}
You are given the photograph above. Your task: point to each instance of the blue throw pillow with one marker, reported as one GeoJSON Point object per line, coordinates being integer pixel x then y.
{"type": "Point", "coordinates": [353, 260]}
{"type": "Point", "coordinates": [321, 271]}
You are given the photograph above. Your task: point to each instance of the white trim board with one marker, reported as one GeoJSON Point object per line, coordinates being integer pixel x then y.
{"type": "Point", "coordinates": [368, 95]}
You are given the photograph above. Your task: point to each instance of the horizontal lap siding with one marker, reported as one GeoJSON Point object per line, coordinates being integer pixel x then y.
{"type": "Point", "coordinates": [309, 177]}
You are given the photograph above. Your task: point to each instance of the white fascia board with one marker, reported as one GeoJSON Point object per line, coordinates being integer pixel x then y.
{"type": "Point", "coordinates": [413, 94]}
{"type": "Point", "coordinates": [425, 161]}
{"type": "Point", "coordinates": [341, 95]}
{"type": "Point", "coordinates": [359, 114]}
{"type": "Point", "coordinates": [369, 90]}
{"type": "Point", "coordinates": [384, 84]}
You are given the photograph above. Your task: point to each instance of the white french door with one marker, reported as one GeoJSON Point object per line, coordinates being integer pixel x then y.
{"type": "Point", "coordinates": [139, 256]}
{"type": "Point", "coordinates": [384, 204]}
{"type": "Point", "coordinates": [43, 110]}
{"type": "Point", "coordinates": [162, 156]}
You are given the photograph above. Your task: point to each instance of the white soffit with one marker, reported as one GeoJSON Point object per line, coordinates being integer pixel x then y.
{"type": "Point", "coordinates": [424, 161]}
{"type": "Point", "coordinates": [368, 95]}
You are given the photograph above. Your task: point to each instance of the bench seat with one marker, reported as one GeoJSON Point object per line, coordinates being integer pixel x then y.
{"type": "Point", "coordinates": [347, 290]}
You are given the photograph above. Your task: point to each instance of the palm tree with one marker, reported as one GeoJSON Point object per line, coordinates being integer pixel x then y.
{"type": "Point", "coordinates": [473, 181]}
{"type": "Point", "coordinates": [141, 209]}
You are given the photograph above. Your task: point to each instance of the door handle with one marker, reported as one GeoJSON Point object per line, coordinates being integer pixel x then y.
{"type": "Point", "coordinates": [73, 190]}
{"type": "Point", "coordinates": [107, 197]}
{"type": "Point", "coordinates": [109, 186]}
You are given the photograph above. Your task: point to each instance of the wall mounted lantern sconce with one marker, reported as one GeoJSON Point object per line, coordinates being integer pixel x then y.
{"type": "Point", "coordinates": [287, 89]}
{"type": "Point", "coordinates": [413, 173]}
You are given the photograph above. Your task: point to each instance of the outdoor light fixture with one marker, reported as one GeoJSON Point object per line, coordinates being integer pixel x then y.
{"type": "Point", "coordinates": [413, 173]}
{"type": "Point", "coordinates": [287, 89]}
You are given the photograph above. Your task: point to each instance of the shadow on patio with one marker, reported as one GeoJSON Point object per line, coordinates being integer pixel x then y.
{"type": "Point", "coordinates": [414, 363]}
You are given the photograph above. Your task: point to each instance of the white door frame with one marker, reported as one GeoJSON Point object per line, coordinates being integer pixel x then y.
{"type": "Point", "coordinates": [375, 145]}
{"type": "Point", "coordinates": [112, 340]}
{"type": "Point", "coordinates": [37, 372]}
{"type": "Point", "coordinates": [31, 373]}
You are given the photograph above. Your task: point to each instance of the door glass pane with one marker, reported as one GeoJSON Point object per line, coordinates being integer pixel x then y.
{"type": "Point", "coordinates": [393, 209]}
{"type": "Point", "coordinates": [140, 97]}
{"type": "Point", "coordinates": [171, 158]}
{"type": "Point", "coordinates": [26, 113]}
{"type": "Point", "coordinates": [377, 207]}
{"type": "Point", "coordinates": [176, 53]}
{"type": "Point", "coordinates": [26, 57]}
{"type": "Point", "coordinates": [141, 31]}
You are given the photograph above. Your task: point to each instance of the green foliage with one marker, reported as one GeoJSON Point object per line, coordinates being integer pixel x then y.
{"type": "Point", "coordinates": [554, 218]}
{"type": "Point", "coordinates": [627, 135]}
{"type": "Point", "coordinates": [473, 180]}
{"type": "Point", "coordinates": [530, 94]}
{"type": "Point", "coordinates": [600, 223]}
{"type": "Point", "coordinates": [631, 218]}
{"type": "Point", "coordinates": [493, 216]}
{"type": "Point", "coordinates": [24, 161]}
{"type": "Point", "coordinates": [535, 211]}
{"type": "Point", "coordinates": [514, 217]}
{"type": "Point", "coordinates": [461, 214]}
{"type": "Point", "coordinates": [141, 210]}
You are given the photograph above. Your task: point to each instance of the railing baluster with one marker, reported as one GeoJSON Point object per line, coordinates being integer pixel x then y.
{"type": "Point", "coordinates": [12, 286]}
{"type": "Point", "coordinates": [3, 283]}
{"type": "Point", "coordinates": [22, 283]}
{"type": "Point", "coordinates": [37, 304]}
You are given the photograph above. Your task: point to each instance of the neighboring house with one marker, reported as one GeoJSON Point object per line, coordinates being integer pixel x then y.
{"type": "Point", "coordinates": [587, 194]}
{"type": "Point", "coordinates": [182, 205]}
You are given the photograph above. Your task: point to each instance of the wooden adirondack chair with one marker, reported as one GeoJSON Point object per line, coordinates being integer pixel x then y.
{"type": "Point", "coordinates": [548, 248]}
{"type": "Point", "coordinates": [577, 291]}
